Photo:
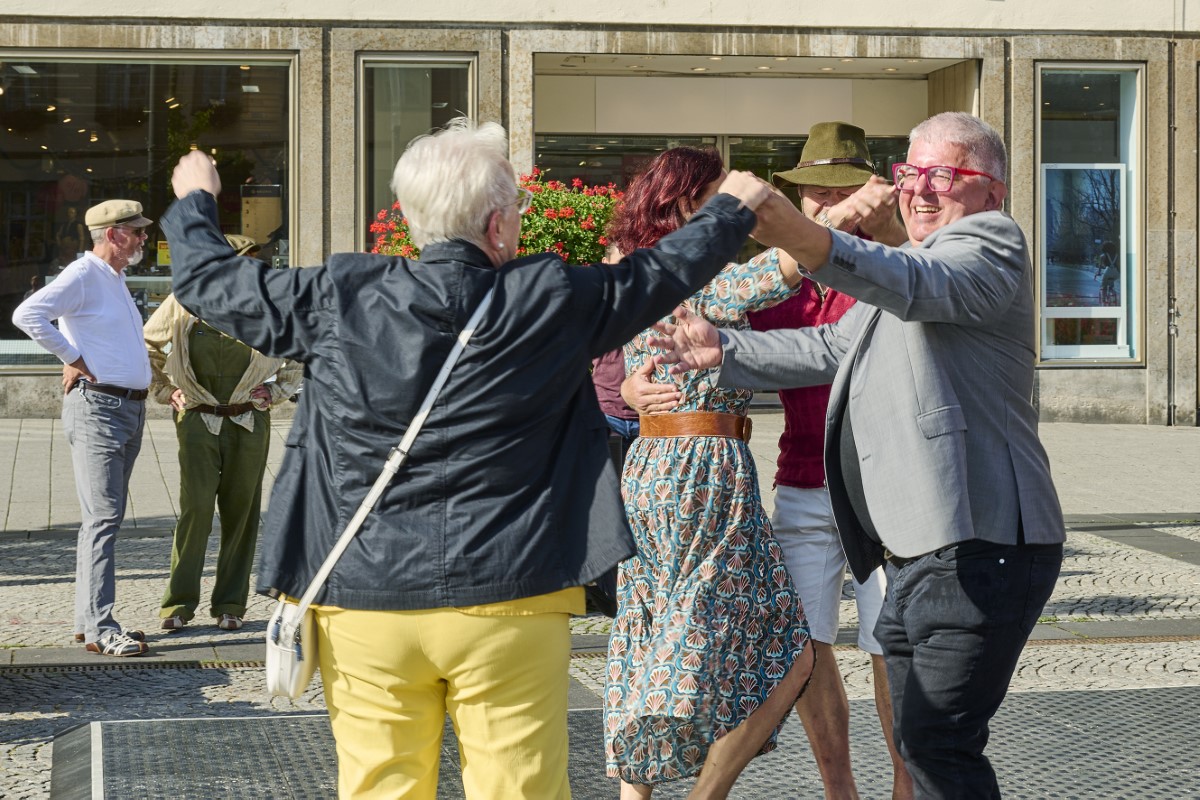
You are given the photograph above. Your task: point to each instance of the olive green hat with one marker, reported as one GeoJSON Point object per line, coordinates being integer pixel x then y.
{"type": "Point", "coordinates": [835, 155]}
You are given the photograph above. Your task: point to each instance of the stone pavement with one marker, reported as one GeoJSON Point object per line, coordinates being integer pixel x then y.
{"type": "Point", "coordinates": [1125, 615]}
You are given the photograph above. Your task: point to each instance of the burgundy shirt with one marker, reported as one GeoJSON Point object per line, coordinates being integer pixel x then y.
{"type": "Point", "coordinates": [608, 373]}
{"type": "Point", "coordinates": [802, 445]}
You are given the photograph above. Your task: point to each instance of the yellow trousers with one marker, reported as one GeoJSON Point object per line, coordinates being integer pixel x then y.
{"type": "Point", "coordinates": [392, 676]}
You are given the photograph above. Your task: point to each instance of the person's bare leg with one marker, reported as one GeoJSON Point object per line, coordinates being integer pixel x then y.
{"type": "Point", "coordinates": [902, 786]}
{"type": "Point", "coordinates": [825, 712]}
{"type": "Point", "coordinates": [730, 754]}
{"type": "Point", "coordinates": [635, 791]}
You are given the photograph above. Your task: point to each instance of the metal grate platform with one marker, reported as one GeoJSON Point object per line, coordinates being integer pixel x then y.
{"type": "Point", "coordinates": [1116, 744]}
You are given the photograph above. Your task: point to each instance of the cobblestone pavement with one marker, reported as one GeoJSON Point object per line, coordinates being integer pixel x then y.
{"type": "Point", "coordinates": [1109, 588]}
{"type": "Point", "coordinates": [1191, 532]}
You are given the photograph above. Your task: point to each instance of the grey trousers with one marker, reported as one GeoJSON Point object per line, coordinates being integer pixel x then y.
{"type": "Point", "coordinates": [105, 435]}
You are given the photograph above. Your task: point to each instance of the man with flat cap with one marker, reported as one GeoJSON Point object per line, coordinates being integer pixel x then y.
{"type": "Point", "coordinates": [105, 377]}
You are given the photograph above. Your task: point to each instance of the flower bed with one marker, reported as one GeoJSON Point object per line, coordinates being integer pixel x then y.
{"type": "Point", "coordinates": [567, 220]}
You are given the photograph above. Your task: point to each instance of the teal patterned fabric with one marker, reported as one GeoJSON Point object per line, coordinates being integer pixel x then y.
{"type": "Point", "coordinates": [708, 620]}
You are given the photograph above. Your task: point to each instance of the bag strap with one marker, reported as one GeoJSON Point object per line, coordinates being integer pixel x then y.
{"type": "Point", "coordinates": [395, 458]}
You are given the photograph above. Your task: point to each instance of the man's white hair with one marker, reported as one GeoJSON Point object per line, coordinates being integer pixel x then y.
{"type": "Point", "coordinates": [984, 147]}
{"type": "Point", "coordinates": [449, 182]}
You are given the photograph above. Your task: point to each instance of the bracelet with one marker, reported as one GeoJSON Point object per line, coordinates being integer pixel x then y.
{"type": "Point", "coordinates": [823, 219]}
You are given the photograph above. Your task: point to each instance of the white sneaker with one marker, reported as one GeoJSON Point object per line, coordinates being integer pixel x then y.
{"type": "Point", "coordinates": [229, 622]}
{"type": "Point", "coordinates": [116, 643]}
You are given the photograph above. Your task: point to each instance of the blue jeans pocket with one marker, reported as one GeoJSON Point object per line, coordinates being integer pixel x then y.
{"type": "Point", "coordinates": [100, 401]}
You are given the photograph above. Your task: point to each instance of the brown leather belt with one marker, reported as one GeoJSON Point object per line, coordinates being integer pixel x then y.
{"type": "Point", "coordinates": [223, 410]}
{"type": "Point", "coordinates": [695, 423]}
{"type": "Point", "coordinates": [115, 391]}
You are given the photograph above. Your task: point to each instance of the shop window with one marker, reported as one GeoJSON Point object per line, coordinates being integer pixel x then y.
{"type": "Point", "coordinates": [605, 158]}
{"type": "Point", "coordinates": [1089, 251]}
{"type": "Point", "coordinates": [75, 132]}
{"type": "Point", "coordinates": [764, 155]}
{"type": "Point", "coordinates": [404, 99]}
{"type": "Point", "coordinates": [601, 159]}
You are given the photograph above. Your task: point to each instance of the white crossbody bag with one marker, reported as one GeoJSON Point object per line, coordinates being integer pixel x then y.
{"type": "Point", "coordinates": [291, 633]}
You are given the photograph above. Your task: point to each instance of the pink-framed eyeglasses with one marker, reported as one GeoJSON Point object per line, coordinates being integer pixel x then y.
{"type": "Point", "coordinates": [940, 178]}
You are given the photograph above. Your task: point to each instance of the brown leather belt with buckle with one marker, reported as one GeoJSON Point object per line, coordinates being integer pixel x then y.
{"type": "Point", "coordinates": [115, 391]}
{"type": "Point", "coordinates": [695, 423]}
{"type": "Point", "coordinates": [223, 410]}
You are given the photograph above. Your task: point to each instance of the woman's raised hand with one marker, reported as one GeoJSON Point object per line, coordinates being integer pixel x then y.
{"type": "Point", "coordinates": [747, 187]}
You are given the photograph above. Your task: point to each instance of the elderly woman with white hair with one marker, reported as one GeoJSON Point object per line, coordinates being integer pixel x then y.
{"type": "Point", "coordinates": [455, 595]}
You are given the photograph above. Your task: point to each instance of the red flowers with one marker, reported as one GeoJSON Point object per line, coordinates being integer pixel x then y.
{"type": "Point", "coordinates": [568, 221]}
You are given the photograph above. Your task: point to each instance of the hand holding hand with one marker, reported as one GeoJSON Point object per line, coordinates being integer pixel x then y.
{"type": "Point", "coordinates": [178, 401]}
{"type": "Point", "coordinates": [747, 187]}
{"type": "Point", "coordinates": [778, 220]}
{"type": "Point", "coordinates": [261, 396]}
{"type": "Point", "coordinates": [873, 207]}
{"type": "Point", "coordinates": [644, 395]}
{"type": "Point", "coordinates": [73, 372]}
{"type": "Point", "coordinates": [691, 342]}
{"type": "Point", "coordinates": [194, 171]}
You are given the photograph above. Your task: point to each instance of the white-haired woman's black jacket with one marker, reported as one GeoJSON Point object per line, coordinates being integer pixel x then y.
{"type": "Point", "coordinates": [508, 491]}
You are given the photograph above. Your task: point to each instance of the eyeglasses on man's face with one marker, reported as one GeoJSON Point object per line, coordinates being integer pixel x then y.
{"type": "Point", "coordinates": [137, 232]}
{"type": "Point", "coordinates": [524, 200]}
{"type": "Point", "coordinates": [939, 178]}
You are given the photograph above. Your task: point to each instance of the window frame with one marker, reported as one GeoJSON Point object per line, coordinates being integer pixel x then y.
{"type": "Point", "coordinates": [1131, 317]}
{"type": "Point", "coordinates": [363, 212]}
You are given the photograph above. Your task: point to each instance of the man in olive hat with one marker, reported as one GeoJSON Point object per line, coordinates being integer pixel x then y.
{"type": "Point", "coordinates": [838, 187]}
{"type": "Point", "coordinates": [106, 373]}
{"type": "Point", "coordinates": [835, 185]}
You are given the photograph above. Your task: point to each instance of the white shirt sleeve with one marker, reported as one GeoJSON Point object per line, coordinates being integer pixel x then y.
{"type": "Point", "coordinates": [64, 295]}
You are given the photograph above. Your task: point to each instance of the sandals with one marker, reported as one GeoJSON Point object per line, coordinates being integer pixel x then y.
{"type": "Point", "coordinates": [117, 643]}
{"type": "Point", "coordinates": [229, 622]}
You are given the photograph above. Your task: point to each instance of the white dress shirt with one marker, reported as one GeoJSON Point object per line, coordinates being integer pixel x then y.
{"type": "Point", "coordinates": [97, 319]}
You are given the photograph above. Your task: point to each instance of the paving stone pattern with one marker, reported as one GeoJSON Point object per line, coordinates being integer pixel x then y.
{"type": "Point", "coordinates": [1107, 585]}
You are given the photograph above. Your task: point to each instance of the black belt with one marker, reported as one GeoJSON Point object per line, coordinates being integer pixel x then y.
{"type": "Point", "coordinates": [115, 391]}
{"type": "Point", "coordinates": [899, 562]}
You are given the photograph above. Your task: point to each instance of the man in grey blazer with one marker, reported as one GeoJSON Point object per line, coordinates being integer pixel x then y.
{"type": "Point", "coordinates": [932, 455]}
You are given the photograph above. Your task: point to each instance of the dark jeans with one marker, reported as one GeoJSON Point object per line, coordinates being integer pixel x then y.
{"type": "Point", "coordinates": [621, 433]}
{"type": "Point", "coordinates": [953, 625]}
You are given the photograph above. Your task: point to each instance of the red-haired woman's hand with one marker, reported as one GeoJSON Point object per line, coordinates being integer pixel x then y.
{"type": "Point", "coordinates": [747, 187]}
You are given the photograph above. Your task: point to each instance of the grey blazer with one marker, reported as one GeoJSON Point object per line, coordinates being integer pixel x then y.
{"type": "Point", "coordinates": [936, 364]}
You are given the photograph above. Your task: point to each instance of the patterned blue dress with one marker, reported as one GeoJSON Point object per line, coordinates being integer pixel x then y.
{"type": "Point", "coordinates": [709, 621]}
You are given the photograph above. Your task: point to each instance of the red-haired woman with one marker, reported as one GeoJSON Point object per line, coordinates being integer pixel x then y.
{"type": "Point", "coordinates": [708, 649]}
